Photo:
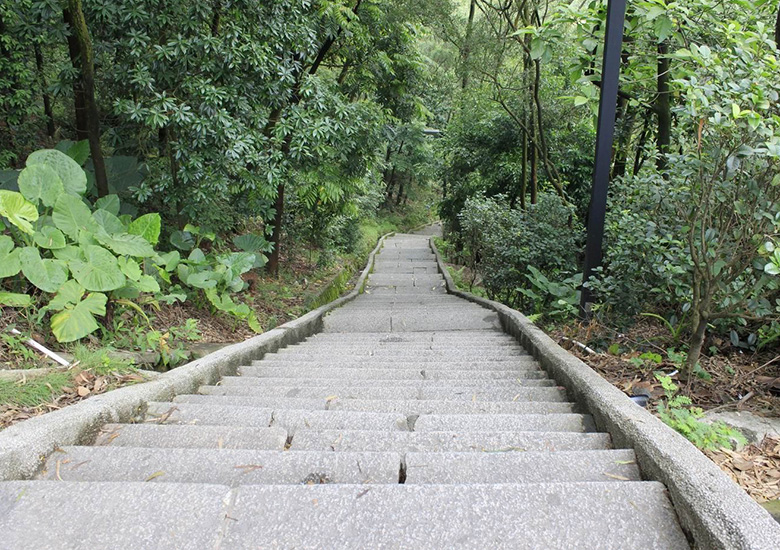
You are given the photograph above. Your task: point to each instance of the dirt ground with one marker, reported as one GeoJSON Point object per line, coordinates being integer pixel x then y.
{"type": "Point", "coordinates": [740, 381]}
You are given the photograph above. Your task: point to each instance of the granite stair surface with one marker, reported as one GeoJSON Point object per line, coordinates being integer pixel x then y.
{"type": "Point", "coordinates": [410, 421]}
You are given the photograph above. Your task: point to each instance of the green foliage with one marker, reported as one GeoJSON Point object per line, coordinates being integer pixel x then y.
{"type": "Point", "coordinates": [677, 412]}
{"type": "Point", "coordinates": [170, 344]}
{"type": "Point", "coordinates": [82, 256]}
{"type": "Point", "coordinates": [504, 244]}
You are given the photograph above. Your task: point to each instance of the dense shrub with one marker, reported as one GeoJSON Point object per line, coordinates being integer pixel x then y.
{"type": "Point", "coordinates": [502, 243]}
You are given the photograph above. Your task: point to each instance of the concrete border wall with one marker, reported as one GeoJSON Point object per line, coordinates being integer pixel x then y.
{"type": "Point", "coordinates": [24, 446]}
{"type": "Point", "coordinates": [713, 510]}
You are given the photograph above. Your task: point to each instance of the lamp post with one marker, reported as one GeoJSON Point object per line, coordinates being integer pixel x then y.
{"type": "Point", "coordinates": [610, 75]}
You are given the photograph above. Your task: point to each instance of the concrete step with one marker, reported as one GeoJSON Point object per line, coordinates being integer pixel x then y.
{"type": "Point", "coordinates": [204, 437]}
{"type": "Point", "coordinates": [485, 385]}
{"type": "Point", "coordinates": [390, 374]}
{"type": "Point", "coordinates": [167, 516]}
{"type": "Point", "coordinates": [521, 467]}
{"type": "Point", "coordinates": [357, 362]}
{"type": "Point", "coordinates": [395, 347]}
{"type": "Point", "coordinates": [223, 466]}
{"type": "Point", "coordinates": [314, 345]}
{"type": "Point", "coordinates": [271, 403]}
{"type": "Point", "coordinates": [423, 407]}
{"type": "Point", "coordinates": [342, 320]}
{"type": "Point", "coordinates": [57, 515]}
{"type": "Point", "coordinates": [505, 422]}
{"type": "Point", "coordinates": [408, 268]}
{"type": "Point", "coordinates": [406, 407]}
{"type": "Point", "coordinates": [166, 412]}
{"type": "Point", "coordinates": [286, 419]}
{"type": "Point", "coordinates": [405, 442]}
{"type": "Point", "coordinates": [306, 353]}
{"type": "Point", "coordinates": [587, 515]}
{"type": "Point", "coordinates": [429, 336]}
{"type": "Point", "coordinates": [293, 420]}
{"type": "Point", "coordinates": [405, 392]}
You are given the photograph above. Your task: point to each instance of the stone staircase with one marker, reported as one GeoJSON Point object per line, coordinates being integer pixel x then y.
{"type": "Point", "coordinates": [411, 421]}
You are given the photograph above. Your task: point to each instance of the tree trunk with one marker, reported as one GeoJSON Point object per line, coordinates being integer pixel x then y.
{"type": "Point", "coordinates": [465, 51]}
{"type": "Point", "coordinates": [79, 103]}
{"type": "Point", "coordinates": [639, 158]}
{"type": "Point", "coordinates": [79, 29]}
{"type": "Point", "coordinates": [276, 236]}
{"type": "Point", "coordinates": [623, 144]}
{"type": "Point", "coordinates": [696, 343]}
{"type": "Point", "coordinates": [47, 109]}
{"type": "Point", "coordinates": [524, 174]}
{"type": "Point", "coordinates": [777, 29]}
{"type": "Point", "coordinates": [663, 109]}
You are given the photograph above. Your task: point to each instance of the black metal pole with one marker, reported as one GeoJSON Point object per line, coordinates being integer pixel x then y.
{"type": "Point", "coordinates": [610, 75]}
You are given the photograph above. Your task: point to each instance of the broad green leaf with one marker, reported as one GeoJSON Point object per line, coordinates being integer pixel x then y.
{"type": "Point", "coordinates": [130, 268]}
{"type": "Point", "coordinates": [50, 238]}
{"type": "Point", "coordinates": [108, 221]}
{"type": "Point", "coordinates": [48, 275]}
{"type": "Point", "coordinates": [73, 177]}
{"type": "Point", "coordinates": [126, 244]}
{"type": "Point", "coordinates": [537, 48]}
{"type": "Point", "coordinates": [169, 260]}
{"type": "Point", "coordinates": [580, 100]}
{"type": "Point", "coordinates": [13, 299]}
{"type": "Point", "coordinates": [9, 257]}
{"type": "Point", "coordinates": [197, 256]}
{"type": "Point", "coordinates": [69, 253]}
{"type": "Point", "coordinates": [100, 271]}
{"type": "Point", "coordinates": [146, 283]}
{"type": "Point", "coordinates": [238, 262]}
{"type": "Point", "coordinates": [252, 242]}
{"type": "Point", "coordinates": [79, 152]}
{"type": "Point", "coordinates": [71, 215]}
{"type": "Point", "coordinates": [79, 321]}
{"type": "Point", "coordinates": [40, 183]}
{"type": "Point", "coordinates": [182, 240]}
{"type": "Point", "coordinates": [663, 27]}
{"type": "Point", "coordinates": [18, 210]}
{"type": "Point", "coordinates": [110, 203]}
{"type": "Point", "coordinates": [202, 280]}
{"type": "Point", "coordinates": [68, 294]}
{"type": "Point", "coordinates": [148, 227]}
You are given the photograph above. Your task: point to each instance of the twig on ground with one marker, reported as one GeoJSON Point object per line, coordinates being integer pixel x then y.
{"type": "Point", "coordinates": [581, 346]}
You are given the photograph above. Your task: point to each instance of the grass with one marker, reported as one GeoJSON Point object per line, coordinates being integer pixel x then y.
{"type": "Point", "coordinates": [39, 390]}
{"type": "Point", "coordinates": [34, 391]}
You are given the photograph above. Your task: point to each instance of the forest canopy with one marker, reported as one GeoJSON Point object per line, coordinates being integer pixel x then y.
{"type": "Point", "coordinates": [305, 117]}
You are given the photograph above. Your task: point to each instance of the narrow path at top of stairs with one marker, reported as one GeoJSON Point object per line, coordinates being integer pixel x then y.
{"type": "Point", "coordinates": [411, 421]}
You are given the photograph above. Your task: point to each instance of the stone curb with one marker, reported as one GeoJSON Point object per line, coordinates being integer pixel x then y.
{"type": "Point", "coordinates": [24, 446]}
{"type": "Point", "coordinates": [713, 510]}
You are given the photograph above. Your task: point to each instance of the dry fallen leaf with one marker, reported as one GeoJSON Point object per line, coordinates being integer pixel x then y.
{"type": "Point", "coordinates": [155, 475]}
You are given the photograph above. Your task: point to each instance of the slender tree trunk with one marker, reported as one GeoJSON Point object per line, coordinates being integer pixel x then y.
{"type": "Point", "coordinates": [534, 164]}
{"type": "Point", "coordinates": [627, 117]}
{"type": "Point", "coordinates": [696, 343]}
{"type": "Point", "coordinates": [524, 173]}
{"type": "Point", "coordinates": [777, 29]}
{"type": "Point", "coordinates": [79, 29]}
{"type": "Point", "coordinates": [401, 187]}
{"type": "Point", "coordinates": [47, 109]}
{"type": "Point", "coordinates": [276, 236]}
{"type": "Point", "coordinates": [639, 158]}
{"type": "Point", "coordinates": [79, 103]}
{"type": "Point", "coordinates": [663, 109]}
{"type": "Point", "coordinates": [465, 54]}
